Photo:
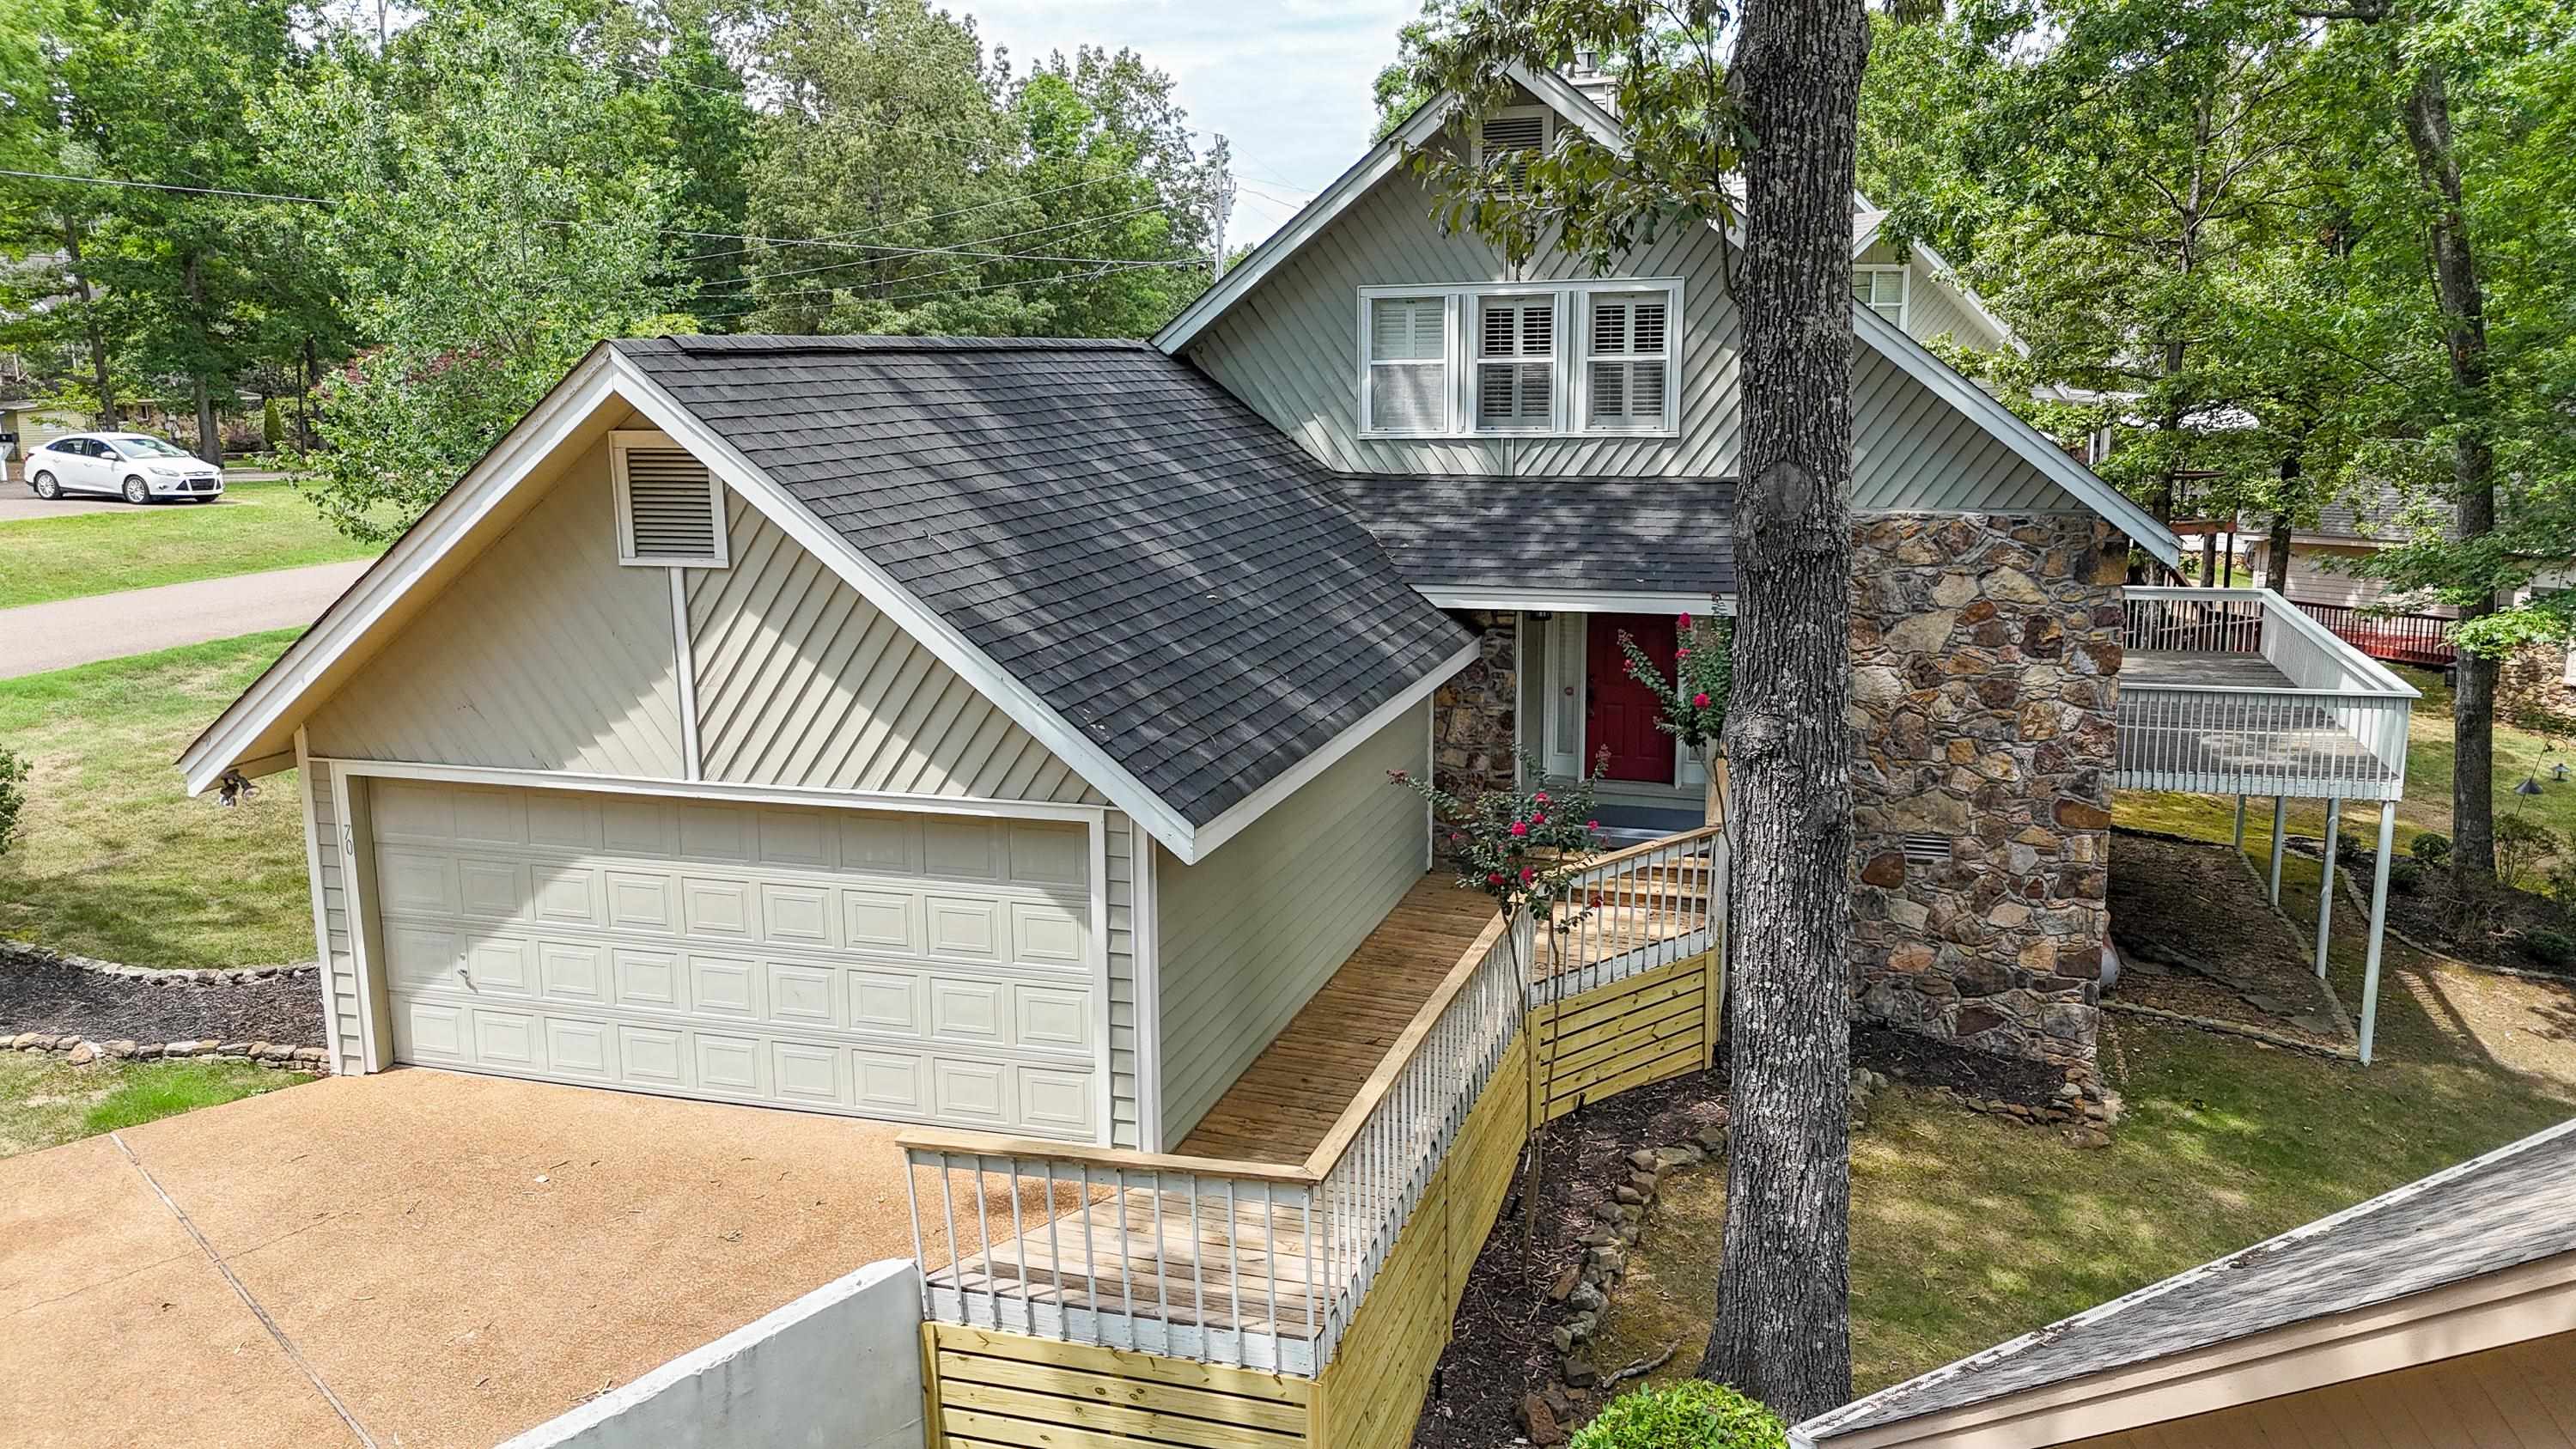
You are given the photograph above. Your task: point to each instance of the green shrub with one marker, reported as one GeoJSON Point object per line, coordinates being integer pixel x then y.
{"type": "Point", "coordinates": [2405, 875]}
{"type": "Point", "coordinates": [2430, 848]}
{"type": "Point", "coordinates": [1692, 1414]}
{"type": "Point", "coordinates": [2520, 843]}
{"type": "Point", "coordinates": [272, 427]}
{"type": "Point", "coordinates": [2549, 948]}
{"type": "Point", "coordinates": [13, 796]}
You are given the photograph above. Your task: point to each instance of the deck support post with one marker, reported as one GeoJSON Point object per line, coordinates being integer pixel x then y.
{"type": "Point", "coordinates": [2378, 926]}
{"type": "Point", "coordinates": [2280, 824]}
{"type": "Point", "coordinates": [2240, 823]}
{"type": "Point", "coordinates": [2325, 881]}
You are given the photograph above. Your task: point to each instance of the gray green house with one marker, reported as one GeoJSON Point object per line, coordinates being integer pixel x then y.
{"type": "Point", "coordinates": [995, 734]}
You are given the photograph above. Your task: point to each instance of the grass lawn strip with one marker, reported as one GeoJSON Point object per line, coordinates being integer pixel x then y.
{"type": "Point", "coordinates": [1967, 1231]}
{"type": "Point", "coordinates": [113, 860]}
{"type": "Point", "coordinates": [44, 1103]}
{"type": "Point", "coordinates": [260, 526]}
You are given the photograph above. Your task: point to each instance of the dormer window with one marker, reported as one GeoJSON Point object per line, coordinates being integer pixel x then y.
{"type": "Point", "coordinates": [1881, 290]}
{"type": "Point", "coordinates": [670, 509]}
{"type": "Point", "coordinates": [1501, 359]}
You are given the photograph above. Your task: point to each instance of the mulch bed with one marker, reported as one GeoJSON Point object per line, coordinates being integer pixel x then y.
{"type": "Point", "coordinates": [2492, 936]}
{"type": "Point", "coordinates": [50, 997]}
{"type": "Point", "coordinates": [1499, 1345]}
{"type": "Point", "coordinates": [2197, 938]}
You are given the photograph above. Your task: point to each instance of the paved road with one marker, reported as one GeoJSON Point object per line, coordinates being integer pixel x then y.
{"type": "Point", "coordinates": [110, 626]}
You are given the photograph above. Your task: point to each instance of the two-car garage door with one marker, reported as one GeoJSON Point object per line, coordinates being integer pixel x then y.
{"type": "Point", "coordinates": [917, 967]}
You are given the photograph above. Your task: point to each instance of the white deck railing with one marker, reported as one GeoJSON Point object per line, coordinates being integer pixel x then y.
{"type": "Point", "coordinates": [2250, 696]}
{"type": "Point", "coordinates": [1264, 1265]}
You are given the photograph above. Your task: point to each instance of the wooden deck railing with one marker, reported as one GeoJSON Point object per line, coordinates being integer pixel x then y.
{"type": "Point", "coordinates": [1263, 1265]}
{"type": "Point", "coordinates": [2418, 639]}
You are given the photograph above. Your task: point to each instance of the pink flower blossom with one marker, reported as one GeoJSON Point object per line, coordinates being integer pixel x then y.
{"type": "Point", "coordinates": [1682, 653]}
{"type": "Point", "coordinates": [1700, 700]}
{"type": "Point", "coordinates": [1520, 827]}
{"type": "Point", "coordinates": [1591, 824]}
{"type": "Point", "coordinates": [1496, 878]}
{"type": "Point", "coordinates": [1528, 874]}
{"type": "Point", "coordinates": [1540, 797]}
{"type": "Point", "coordinates": [1683, 621]}
{"type": "Point", "coordinates": [1538, 820]}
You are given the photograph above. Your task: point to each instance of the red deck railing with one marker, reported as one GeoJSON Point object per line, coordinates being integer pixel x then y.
{"type": "Point", "coordinates": [2419, 639]}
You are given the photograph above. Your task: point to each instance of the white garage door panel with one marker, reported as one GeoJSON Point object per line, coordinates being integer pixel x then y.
{"type": "Point", "coordinates": [923, 968]}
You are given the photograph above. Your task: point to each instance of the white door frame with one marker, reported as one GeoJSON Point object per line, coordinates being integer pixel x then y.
{"type": "Point", "coordinates": [1569, 666]}
{"type": "Point", "coordinates": [357, 859]}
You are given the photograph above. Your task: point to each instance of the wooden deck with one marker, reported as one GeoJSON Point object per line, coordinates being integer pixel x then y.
{"type": "Point", "coordinates": [1284, 1103]}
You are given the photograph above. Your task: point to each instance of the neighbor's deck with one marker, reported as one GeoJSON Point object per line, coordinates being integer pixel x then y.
{"type": "Point", "coordinates": [1162, 1255]}
{"type": "Point", "coordinates": [2282, 741]}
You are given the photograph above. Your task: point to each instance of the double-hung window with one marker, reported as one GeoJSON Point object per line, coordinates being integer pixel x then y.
{"type": "Point", "coordinates": [1516, 388]}
{"type": "Point", "coordinates": [1881, 290]}
{"type": "Point", "coordinates": [1520, 359]}
{"type": "Point", "coordinates": [1627, 362]}
{"type": "Point", "coordinates": [1408, 365]}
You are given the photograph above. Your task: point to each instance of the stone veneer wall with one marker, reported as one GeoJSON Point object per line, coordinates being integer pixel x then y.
{"type": "Point", "coordinates": [2532, 688]}
{"type": "Point", "coordinates": [1986, 655]}
{"type": "Point", "coordinates": [1475, 714]}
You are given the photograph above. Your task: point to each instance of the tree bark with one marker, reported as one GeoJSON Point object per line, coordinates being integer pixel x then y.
{"type": "Point", "coordinates": [1780, 1330]}
{"type": "Point", "coordinates": [2276, 544]}
{"type": "Point", "coordinates": [2464, 338]}
{"type": "Point", "coordinates": [210, 441]}
{"type": "Point", "coordinates": [103, 377]}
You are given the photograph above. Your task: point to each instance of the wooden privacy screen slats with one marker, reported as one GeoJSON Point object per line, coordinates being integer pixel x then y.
{"type": "Point", "coordinates": [1655, 1024]}
{"type": "Point", "coordinates": [1003, 1389]}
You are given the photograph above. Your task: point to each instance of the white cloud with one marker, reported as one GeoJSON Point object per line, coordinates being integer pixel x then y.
{"type": "Point", "coordinates": [1287, 84]}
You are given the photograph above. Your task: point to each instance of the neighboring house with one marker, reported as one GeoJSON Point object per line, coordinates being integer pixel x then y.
{"type": "Point", "coordinates": [2442, 1314]}
{"type": "Point", "coordinates": [2320, 558]}
{"type": "Point", "coordinates": [1097, 640]}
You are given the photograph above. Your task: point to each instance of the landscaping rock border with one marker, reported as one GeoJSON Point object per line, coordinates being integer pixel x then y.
{"type": "Point", "coordinates": [80, 1046]}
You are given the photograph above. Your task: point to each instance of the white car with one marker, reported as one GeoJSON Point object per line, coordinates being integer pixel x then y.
{"type": "Point", "coordinates": [135, 466]}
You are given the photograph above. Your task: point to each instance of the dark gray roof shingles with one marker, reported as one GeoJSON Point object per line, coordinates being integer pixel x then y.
{"type": "Point", "coordinates": [2498, 1213]}
{"type": "Point", "coordinates": [1590, 535]}
{"type": "Point", "coordinates": [1158, 564]}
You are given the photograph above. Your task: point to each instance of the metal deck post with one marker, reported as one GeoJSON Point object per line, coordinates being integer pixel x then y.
{"type": "Point", "coordinates": [2378, 924]}
{"type": "Point", "coordinates": [2240, 822]}
{"type": "Point", "coordinates": [2325, 881]}
{"type": "Point", "coordinates": [2280, 821]}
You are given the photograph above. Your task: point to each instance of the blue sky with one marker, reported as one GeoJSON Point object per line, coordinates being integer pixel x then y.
{"type": "Point", "coordinates": [1287, 83]}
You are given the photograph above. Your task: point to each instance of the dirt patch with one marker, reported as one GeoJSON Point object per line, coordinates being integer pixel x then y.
{"type": "Point", "coordinates": [2492, 933]}
{"type": "Point", "coordinates": [2197, 938]}
{"type": "Point", "coordinates": [41, 996]}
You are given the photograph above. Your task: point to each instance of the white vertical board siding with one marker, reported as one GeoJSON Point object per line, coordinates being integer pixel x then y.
{"type": "Point", "coordinates": [1125, 845]}
{"type": "Point", "coordinates": [1290, 348]}
{"type": "Point", "coordinates": [545, 654]}
{"type": "Point", "coordinates": [340, 967]}
{"type": "Point", "coordinates": [1252, 931]}
{"type": "Point", "coordinates": [800, 681]}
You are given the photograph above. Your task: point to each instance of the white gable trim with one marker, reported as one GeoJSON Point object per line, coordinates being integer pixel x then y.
{"type": "Point", "coordinates": [572, 402]}
{"type": "Point", "coordinates": [1940, 270]}
{"type": "Point", "coordinates": [603, 377]}
{"type": "Point", "coordinates": [1945, 383]}
{"type": "Point", "coordinates": [1877, 332]}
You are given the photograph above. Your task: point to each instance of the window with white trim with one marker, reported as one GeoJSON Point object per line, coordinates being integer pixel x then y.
{"type": "Point", "coordinates": [1553, 359]}
{"type": "Point", "coordinates": [1627, 362]}
{"type": "Point", "coordinates": [1881, 290]}
{"type": "Point", "coordinates": [1516, 364]}
{"type": "Point", "coordinates": [1408, 365]}
{"type": "Point", "coordinates": [670, 508]}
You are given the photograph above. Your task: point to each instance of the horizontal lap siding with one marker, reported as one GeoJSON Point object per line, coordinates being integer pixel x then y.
{"type": "Point", "coordinates": [1252, 931]}
{"type": "Point", "coordinates": [801, 681]}
{"type": "Point", "coordinates": [340, 970]}
{"type": "Point", "coordinates": [545, 654]}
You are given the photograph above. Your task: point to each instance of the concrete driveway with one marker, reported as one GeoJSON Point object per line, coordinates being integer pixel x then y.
{"type": "Point", "coordinates": [415, 1258]}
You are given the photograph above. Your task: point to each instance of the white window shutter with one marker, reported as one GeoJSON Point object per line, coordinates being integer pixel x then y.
{"type": "Point", "coordinates": [1625, 374]}
{"type": "Point", "coordinates": [672, 508]}
{"type": "Point", "coordinates": [1516, 363]}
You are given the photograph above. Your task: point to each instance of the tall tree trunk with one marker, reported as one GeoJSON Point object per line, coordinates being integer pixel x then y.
{"type": "Point", "coordinates": [210, 441]}
{"type": "Point", "coordinates": [1781, 1330]}
{"type": "Point", "coordinates": [103, 378]}
{"type": "Point", "coordinates": [2464, 337]}
{"type": "Point", "coordinates": [2276, 545]}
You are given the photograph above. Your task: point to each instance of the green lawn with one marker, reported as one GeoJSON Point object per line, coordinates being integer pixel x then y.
{"type": "Point", "coordinates": [1967, 1231]}
{"type": "Point", "coordinates": [261, 526]}
{"type": "Point", "coordinates": [113, 860]}
{"type": "Point", "coordinates": [44, 1102]}
{"type": "Point", "coordinates": [2519, 754]}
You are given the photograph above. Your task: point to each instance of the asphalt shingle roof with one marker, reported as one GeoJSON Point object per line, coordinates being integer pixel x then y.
{"type": "Point", "coordinates": [1157, 563]}
{"type": "Point", "coordinates": [1596, 535]}
{"type": "Point", "coordinates": [2498, 1212]}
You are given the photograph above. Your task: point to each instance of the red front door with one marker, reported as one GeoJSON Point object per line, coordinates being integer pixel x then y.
{"type": "Point", "coordinates": [1621, 716]}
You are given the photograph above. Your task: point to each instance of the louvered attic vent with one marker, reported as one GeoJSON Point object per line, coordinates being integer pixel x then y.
{"type": "Point", "coordinates": [670, 509]}
{"type": "Point", "coordinates": [1522, 133]}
